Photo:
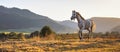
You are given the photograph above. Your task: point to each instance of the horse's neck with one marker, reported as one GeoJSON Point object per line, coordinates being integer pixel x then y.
{"type": "Point", "coordinates": [79, 19]}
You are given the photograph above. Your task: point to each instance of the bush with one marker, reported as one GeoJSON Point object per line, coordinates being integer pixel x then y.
{"type": "Point", "coordinates": [21, 36]}
{"type": "Point", "coordinates": [36, 33]}
{"type": "Point", "coordinates": [12, 35]}
{"type": "Point", "coordinates": [3, 36]}
{"type": "Point", "coordinates": [45, 31]}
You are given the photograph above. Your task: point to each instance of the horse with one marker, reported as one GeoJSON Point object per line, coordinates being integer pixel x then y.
{"type": "Point", "coordinates": [83, 24]}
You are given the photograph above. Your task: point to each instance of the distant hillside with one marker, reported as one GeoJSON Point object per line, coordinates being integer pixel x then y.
{"type": "Point", "coordinates": [106, 24]}
{"type": "Point", "coordinates": [116, 29]}
{"type": "Point", "coordinates": [15, 19]}
{"type": "Point", "coordinates": [103, 24]}
{"type": "Point", "coordinates": [69, 24]}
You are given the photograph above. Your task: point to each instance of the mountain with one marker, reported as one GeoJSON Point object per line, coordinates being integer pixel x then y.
{"type": "Point", "coordinates": [69, 24]}
{"type": "Point", "coordinates": [23, 20]}
{"type": "Point", "coordinates": [116, 29]}
{"type": "Point", "coordinates": [103, 24]}
{"type": "Point", "coordinates": [15, 19]}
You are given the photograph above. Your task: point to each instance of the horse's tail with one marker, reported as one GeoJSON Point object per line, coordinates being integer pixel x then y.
{"type": "Point", "coordinates": [93, 26]}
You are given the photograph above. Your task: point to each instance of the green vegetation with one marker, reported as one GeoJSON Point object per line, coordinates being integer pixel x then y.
{"type": "Point", "coordinates": [45, 31]}
{"type": "Point", "coordinates": [35, 33]}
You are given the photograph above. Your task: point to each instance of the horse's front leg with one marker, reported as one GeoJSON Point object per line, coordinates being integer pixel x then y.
{"type": "Point", "coordinates": [80, 35]}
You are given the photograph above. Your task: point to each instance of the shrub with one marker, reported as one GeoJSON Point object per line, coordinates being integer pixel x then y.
{"type": "Point", "coordinates": [45, 31]}
{"type": "Point", "coordinates": [21, 36]}
{"type": "Point", "coordinates": [12, 35]}
{"type": "Point", "coordinates": [3, 36]}
{"type": "Point", "coordinates": [36, 33]}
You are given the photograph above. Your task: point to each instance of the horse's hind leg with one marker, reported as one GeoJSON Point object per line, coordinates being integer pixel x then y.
{"type": "Point", "coordinates": [89, 33]}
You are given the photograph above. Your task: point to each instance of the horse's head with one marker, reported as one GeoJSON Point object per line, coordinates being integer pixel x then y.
{"type": "Point", "coordinates": [74, 15]}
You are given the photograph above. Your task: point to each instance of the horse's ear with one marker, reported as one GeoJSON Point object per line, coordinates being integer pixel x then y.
{"type": "Point", "coordinates": [73, 10]}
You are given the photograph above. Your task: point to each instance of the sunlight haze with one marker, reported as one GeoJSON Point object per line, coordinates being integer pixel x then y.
{"type": "Point", "coordinates": [61, 9]}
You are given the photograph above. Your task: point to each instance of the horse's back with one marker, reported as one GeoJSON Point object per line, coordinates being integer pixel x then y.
{"type": "Point", "coordinates": [88, 23]}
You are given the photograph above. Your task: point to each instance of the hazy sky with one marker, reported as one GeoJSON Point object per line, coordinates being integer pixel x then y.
{"type": "Point", "coordinates": [61, 9]}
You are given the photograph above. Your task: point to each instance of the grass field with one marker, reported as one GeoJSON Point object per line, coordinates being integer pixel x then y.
{"type": "Point", "coordinates": [63, 43]}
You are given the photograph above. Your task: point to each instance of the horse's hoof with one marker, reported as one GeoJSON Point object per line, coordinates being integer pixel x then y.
{"type": "Point", "coordinates": [81, 40]}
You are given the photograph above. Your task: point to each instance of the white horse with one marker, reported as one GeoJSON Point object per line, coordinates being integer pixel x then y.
{"type": "Point", "coordinates": [83, 24]}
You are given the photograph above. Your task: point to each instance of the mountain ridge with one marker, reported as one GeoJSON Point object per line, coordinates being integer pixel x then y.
{"type": "Point", "coordinates": [15, 19]}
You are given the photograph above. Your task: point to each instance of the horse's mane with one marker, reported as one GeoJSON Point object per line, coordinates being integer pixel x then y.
{"type": "Point", "coordinates": [80, 15]}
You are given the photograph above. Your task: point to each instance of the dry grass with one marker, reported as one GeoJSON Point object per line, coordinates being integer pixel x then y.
{"type": "Point", "coordinates": [62, 44]}
{"type": "Point", "coordinates": [21, 46]}
{"type": "Point", "coordinates": [74, 45]}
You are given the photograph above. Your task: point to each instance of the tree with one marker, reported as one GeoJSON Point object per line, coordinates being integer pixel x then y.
{"type": "Point", "coordinates": [46, 30]}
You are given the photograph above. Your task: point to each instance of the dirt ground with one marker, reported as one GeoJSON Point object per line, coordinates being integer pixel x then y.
{"type": "Point", "coordinates": [71, 45]}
